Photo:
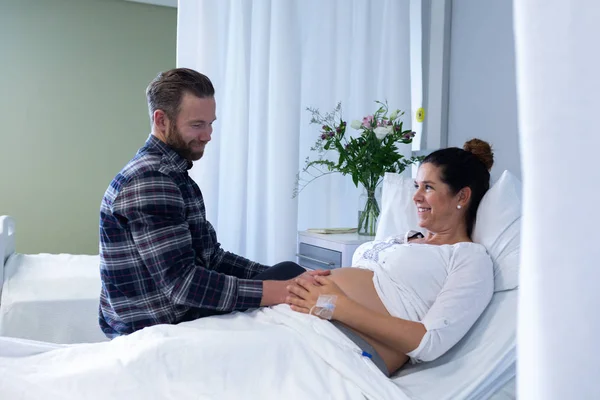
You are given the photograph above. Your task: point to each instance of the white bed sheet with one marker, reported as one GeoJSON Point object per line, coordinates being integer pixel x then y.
{"type": "Point", "coordinates": [271, 353]}
{"type": "Point", "coordinates": [481, 364]}
{"type": "Point", "coordinates": [51, 298]}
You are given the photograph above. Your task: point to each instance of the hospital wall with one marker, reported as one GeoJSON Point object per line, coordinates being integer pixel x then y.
{"type": "Point", "coordinates": [72, 109]}
{"type": "Point", "coordinates": [482, 80]}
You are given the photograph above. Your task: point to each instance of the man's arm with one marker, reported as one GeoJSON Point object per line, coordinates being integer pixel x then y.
{"type": "Point", "coordinates": [274, 292]}
{"type": "Point", "coordinates": [153, 208]}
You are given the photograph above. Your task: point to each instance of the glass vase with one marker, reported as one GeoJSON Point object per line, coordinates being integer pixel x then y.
{"type": "Point", "coordinates": [368, 212]}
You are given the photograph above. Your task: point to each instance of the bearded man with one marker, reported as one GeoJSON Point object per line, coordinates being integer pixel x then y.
{"type": "Point", "coordinates": [160, 261]}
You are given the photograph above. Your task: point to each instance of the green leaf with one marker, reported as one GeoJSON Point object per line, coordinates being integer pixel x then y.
{"type": "Point", "coordinates": [364, 157]}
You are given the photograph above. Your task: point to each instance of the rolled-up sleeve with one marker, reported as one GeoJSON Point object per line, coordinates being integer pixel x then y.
{"type": "Point", "coordinates": [153, 207]}
{"type": "Point", "coordinates": [464, 296]}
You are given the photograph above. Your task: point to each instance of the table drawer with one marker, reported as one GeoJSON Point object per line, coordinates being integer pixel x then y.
{"type": "Point", "coordinates": [315, 257]}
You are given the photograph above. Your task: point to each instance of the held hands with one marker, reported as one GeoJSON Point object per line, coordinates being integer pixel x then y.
{"type": "Point", "coordinates": [275, 292]}
{"type": "Point", "coordinates": [304, 294]}
{"type": "Point", "coordinates": [310, 275]}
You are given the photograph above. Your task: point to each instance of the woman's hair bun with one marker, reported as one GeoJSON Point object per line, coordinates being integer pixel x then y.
{"type": "Point", "coordinates": [482, 150]}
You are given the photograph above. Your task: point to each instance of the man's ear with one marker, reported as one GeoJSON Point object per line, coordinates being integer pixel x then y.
{"type": "Point", "coordinates": [161, 120]}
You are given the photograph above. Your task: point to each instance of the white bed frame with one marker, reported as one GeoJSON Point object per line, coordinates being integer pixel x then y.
{"type": "Point", "coordinates": [7, 243]}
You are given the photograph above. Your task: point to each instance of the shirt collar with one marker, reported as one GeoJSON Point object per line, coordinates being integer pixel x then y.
{"type": "Point", "coordinates": [180, 163]}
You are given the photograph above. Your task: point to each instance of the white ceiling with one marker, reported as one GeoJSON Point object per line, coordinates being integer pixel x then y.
{"type": "Point", "coordinates": [166, 3]}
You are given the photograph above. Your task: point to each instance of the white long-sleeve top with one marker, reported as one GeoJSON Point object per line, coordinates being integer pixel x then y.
{"type": "Point", "coordinates": [446, 287]}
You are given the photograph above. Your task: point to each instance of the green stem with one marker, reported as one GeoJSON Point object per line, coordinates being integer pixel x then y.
{"type": "Point", "coordinates": [367, 224]}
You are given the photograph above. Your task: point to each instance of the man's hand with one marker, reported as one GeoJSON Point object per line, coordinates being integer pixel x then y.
{"type": "Point", "coordinates": [310, 275]}
{"type": "Point", "coordinates": [275, 292]}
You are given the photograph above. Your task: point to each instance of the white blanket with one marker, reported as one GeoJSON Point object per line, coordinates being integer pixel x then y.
{"type": "Point", "coordinates": [272, 353]}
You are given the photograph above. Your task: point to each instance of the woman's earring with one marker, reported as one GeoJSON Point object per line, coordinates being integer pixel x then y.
{"type": "Point", "coordinates": [459, 206]}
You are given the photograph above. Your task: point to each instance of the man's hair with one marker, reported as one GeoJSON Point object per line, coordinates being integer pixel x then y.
{"type": "Point", "coordinates": [167, 89]}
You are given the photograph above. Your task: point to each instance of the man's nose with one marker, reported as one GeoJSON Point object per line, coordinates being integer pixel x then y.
{"type": "Point", "coordinates": [206, 135]}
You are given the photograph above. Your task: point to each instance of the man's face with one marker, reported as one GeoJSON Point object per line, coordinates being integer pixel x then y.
{"type": "Point", "coordinates": [193, 127]}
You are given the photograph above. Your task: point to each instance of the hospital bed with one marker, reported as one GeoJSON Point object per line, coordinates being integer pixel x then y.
{"type": "Point", "coordinates": [47, 297]}
{"type": "Point", "coordinates": [54, 299]}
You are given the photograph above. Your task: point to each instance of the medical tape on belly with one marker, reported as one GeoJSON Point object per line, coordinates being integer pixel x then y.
{"type": "Point", "coordinates": [324, 307]}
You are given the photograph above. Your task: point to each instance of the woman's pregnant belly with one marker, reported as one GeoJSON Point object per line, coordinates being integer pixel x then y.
{"type": "Point", "coordinates": [358, 285]}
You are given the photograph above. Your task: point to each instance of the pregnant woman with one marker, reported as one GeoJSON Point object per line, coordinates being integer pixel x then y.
{"type": "Point", "coordinates": [415, 296]}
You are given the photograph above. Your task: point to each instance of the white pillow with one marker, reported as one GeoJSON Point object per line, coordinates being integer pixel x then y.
{"type": "Point", "coordinates": [498, 225]}
{"type": "Point", "coordinates": [398, 212]}
{"type": "Point", "coordinates": [498, 228]}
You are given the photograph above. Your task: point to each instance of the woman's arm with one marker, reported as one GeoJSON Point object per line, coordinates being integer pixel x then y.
{"type": "Point", "coordinates": [464, 296]}
{"type": "Point", "coordinates": [399, 334]}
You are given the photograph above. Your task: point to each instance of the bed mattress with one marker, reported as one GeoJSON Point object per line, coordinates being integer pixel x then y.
{"type": "Point", "coordinates": [52, 298]}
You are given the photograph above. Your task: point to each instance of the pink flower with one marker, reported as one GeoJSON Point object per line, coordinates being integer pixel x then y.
{"type": "Point", "coordinates": [367, 121]}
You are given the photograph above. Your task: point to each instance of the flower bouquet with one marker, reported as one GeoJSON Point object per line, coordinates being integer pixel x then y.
{"type": "Point", "coordinates": [366, 156]}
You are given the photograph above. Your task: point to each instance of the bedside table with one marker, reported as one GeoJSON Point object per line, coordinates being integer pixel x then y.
{"type": "Point", "coordinates": [328, 251]}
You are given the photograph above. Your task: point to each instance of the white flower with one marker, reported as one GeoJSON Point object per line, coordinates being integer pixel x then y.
{"type": "Point", "coordinates": [393, 115]}
{"type": "Point", "coordinates": [382, 131]}
{"type": "Point", "coordinates": [356, 124]}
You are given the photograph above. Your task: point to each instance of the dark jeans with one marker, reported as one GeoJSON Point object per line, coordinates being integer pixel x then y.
{"type": "Point", "coordinates": [281, 272]}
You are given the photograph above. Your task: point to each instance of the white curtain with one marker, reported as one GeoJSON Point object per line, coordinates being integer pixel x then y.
{"type": "Point", "coordinates": [269, 60]}
{"type": "Point", "coordinates": [558, 83]}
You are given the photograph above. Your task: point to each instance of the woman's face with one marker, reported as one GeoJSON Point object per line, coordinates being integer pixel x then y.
{"type": "Point", "coordinates": [436, 204]}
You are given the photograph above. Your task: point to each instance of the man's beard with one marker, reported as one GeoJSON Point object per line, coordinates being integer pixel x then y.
{"type": "Point", "coordinates": [182, 148]}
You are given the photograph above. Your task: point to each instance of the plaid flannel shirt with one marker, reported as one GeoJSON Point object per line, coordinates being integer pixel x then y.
{"type": "Point", "coordinates": [160, 261]}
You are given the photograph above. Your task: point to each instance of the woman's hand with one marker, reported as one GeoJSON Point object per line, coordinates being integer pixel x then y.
{"type": "Point", "coordinates": [310, 275]}
{"type": "Point", "coordinates": [304, 294]}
